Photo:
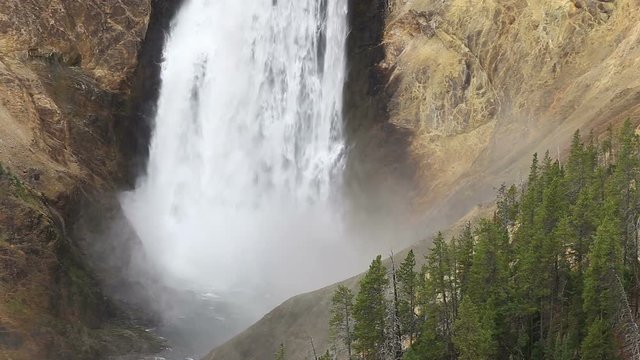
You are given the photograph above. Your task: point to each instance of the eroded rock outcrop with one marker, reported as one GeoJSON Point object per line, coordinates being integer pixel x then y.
{"type": "Point", "coordinates": [66, 74]}
{"type": "Point", "coordinates": [484, 85]}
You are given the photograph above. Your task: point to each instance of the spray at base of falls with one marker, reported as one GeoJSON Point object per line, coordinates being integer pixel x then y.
{"type": "Point", "coordinates": [243, 185]}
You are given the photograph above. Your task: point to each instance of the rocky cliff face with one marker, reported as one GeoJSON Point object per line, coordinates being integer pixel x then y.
{"type": "Point", "coordinates": [464, 92]}
{"type": "Point", "coordinates": [482, 86]}
{"type": "Point", "coordinates": [67, 70]}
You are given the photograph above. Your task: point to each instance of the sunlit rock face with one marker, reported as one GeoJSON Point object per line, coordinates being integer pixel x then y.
{"type": "Point", "coordinates": [65, 74]}
{"type": "Point", "coordinates": [100, 37]}
{"type": "Point", "coordinates": [63, 65]}
{"type": "Point", "coordinates": [483, 85]}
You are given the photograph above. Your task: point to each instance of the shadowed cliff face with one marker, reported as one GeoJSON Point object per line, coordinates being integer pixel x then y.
{"type": "Point", "coordinates": [380, 170]}
{"type": "Point", "coordinates": [66, 124]}
{"type": "Point", "coordinates": [453, 97]}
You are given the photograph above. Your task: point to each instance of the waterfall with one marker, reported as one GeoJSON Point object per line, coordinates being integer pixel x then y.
{"type": "Point", "coordinates": [247, 152]}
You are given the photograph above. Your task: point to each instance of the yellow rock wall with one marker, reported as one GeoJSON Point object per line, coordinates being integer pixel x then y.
{"type": "Point", "coordinates": [482, 84]}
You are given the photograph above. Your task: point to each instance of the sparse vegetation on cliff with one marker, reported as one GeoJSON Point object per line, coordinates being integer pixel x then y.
{"type": "Point", "coordinates": [64, 134]}
{"type": "Point", "coordinates": [51, 306]}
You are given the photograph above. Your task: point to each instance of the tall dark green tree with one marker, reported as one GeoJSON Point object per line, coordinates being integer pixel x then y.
{"type": "Point", "coordinates": [369, 313]}
{"type": "Point", "coordinates": [407, 299]}
{"type": "Point", "coordinates": [464, 248]}
{"type": "Point", "coordinates": [599, 344]}
{"type": "Point", "coordinates": [394, 325]}
{"type": "Point", "coordinates": [473, 337]}
{"type": "Point", "coordinates": [341, 321]}
{"type": "Point", "coordinates": [507, 206]}
{"type": "Point", "coordinates": [601, 300]}
{"type": "Point", "coordinates": [623, 189]}
{"type": "Point", "coordinates": [441, 298]}
{"type": "Point", "coordinates": [489, 276]}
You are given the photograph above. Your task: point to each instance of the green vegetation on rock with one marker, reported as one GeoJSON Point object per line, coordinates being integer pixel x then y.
{"type": "Point", "coordinates": [49, 298]}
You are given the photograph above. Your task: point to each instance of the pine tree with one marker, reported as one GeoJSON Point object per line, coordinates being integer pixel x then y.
{"type": "Point", "coordinates": [624, 190]}
{"type": "Point", "coordinates": [600, 297]}
{"type": "Point", "coordinates": [599, 343]}
{"type": "Point", "coordinates": [464, 257]}
{"type": "Point", "coordinates": [489, 281]}
{"type": "Point", "coordinates": [507, 206]}
{"type": "Point", "coordinates": [565, 325]}
{"type": "Point", "coordinates": [576, 167]}
{"type": "Point", "coordinates": [583, 219]}
{"type": "Point", "coordinates": [430, 344]}
{"type": "Point", "coordinates": [407, 301]}
{"type": "Point", "coordinates": [394, 325]}
{"type": "Point", "coordinates": [473, 338]}
{"type": "Point", "coordinates": [489, 270]}
{"type": "Point", "coordinates": [550, 250]}
{"type": "Point", "coordinates": [440, 294]}
{"type": "Point", "coordinates": [341, 321]}
{"type": "Point", "coordinates": [369, 312]}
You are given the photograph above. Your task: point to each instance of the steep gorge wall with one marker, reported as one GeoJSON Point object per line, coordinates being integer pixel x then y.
{"type": "Point", "coordinates": [483, 85]}
{"type": "Point", "coordinates": [457, 95]}
{"type": "Point", "coordinates": [69, 79]}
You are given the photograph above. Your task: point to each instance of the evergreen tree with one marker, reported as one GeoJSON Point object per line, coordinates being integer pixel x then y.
{"type": "Point", "coordinates": [473, 338]}
{"type": "Point", "coordinates": [341, 321]}
{"type": "Point", "coordinates": [624, 190]}
{"type": "Point", "coordinates": [489, 276]}
{"type": "Point", "coordinates": [440, 295]}
{"type": "Point", "coordinates": [394, 325]}
{"type": "Point", "coordinates": [407, 299]}
{"type": "Point", "coordinates": [507, 206]}
{"type": "Point", "coordinates": [576, 167]}
{"type": "Point", "coordinates": [600, 297]}
{"type": "Point", "coordinates": [369, 312]}
{"type": "Point", "coordinates": [583, 219]}
{"type": "Point", "coordinates": [599, 343]}
{"type": "Point", "coordinates": [430, 344]}
{"type": "Point", "coordinates": [464, 257]}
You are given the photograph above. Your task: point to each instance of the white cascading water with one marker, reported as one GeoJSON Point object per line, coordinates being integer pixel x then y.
{"type": "Point", "coordinates": [246, 158]}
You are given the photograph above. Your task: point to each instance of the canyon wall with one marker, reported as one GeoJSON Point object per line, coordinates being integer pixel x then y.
{"type": "Point", "coordinates": [484, 85]}
{"type": "Point", "coordinates": [70, 89]}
